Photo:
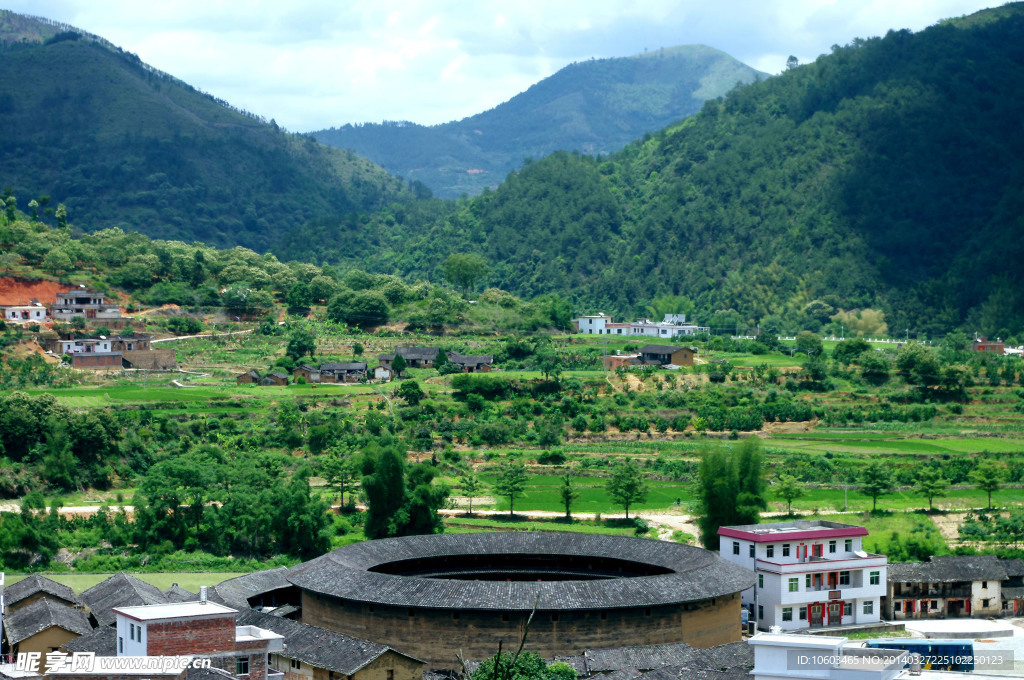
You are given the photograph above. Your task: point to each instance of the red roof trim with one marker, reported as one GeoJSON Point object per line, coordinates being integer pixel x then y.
{"type": "Point", "coordinates": [792, 536]}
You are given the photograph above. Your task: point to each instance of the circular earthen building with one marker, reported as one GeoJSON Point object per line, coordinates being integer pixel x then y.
{"type": "Point", "coordinates": [437, 596]}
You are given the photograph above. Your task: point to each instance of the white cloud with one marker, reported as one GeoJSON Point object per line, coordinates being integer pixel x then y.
{"type": "Point", "coordinates": [316, 63]}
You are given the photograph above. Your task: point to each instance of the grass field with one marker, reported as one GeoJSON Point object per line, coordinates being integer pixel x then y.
{"type": "Point", "coordinates": [542, 493]}
{"type": "Point", "coordinates": [163, 580]}
{"type": "Point", "coordinates": [461, 524]}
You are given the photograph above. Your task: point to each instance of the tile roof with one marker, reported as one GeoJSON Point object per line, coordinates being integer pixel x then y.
{"type": "Point", "coordinates": [101, 642]}
{"type": "Point", "coordinates": [318, 647]}
{"type": "Point", "coordinates": [693, 573]}
{"type": "Point", "coordinates": [470, 359]}
{"type": "Point", "coordinates": [34, 618]}
{"type": "Point", "coordinates": [178, 594]}
{"type": "Point", "coordinates": [641, 658]}
{"type": "Point", "coordinates": [659, 349]}
{"type": "Point", "coordinates": [120, 590]}
{"type": "Point", "coordinates": [350, 366]}
{"type": "Point", "coordinates": [1014, 568]}
{"type": "Point", "coordinates": [235, 592]}
{"type": "Point", "coordinates": [30, 585]}
{"type": "Point", "coordinates": [948, 569]}
{"type": "Point", "coordinates": [662, 662]}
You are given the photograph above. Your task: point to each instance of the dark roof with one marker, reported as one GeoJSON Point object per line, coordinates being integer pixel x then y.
{"type": "Point", "coordinates": [674, 660]}
{"type": "Point", "coordinates": [1012, 592]}
{"type": "Point", "coordinates": [659, 349]}
{"type": "Point", "coordinates": [695, 574]}
{"type": "Point", "coordinates": [470, 359]}
{"type": "Point", "coordinates": [351, 366]}
{"type": "Point", "coordinates": [948, 569]}
{"type": "Point", "coordinates": [419, 353]}
{"type": "Point", "coordinates": [318, 647]}
{"type": "Point", "coordinates": [1014, 568]}
{"type": "Point", "coordinates": [640, 658]}
{"type": "Point", "coordinates": [307, 367]}
{"type": "Point", "coordinates": [210, 673]}
{"type": "Point", "coordinates": [235, 592]}
{"type": "Point", "coordinates": [254, 373]}
{"type": "Point", "coordinates": [691, 673]}
{"type": "Point", "coordinates": [120, 590]}
{"type": "Point", "coordinates": [101, 642]}
{"type": "Point", "coordinates": [178, 594]}
{"type": "Point", "coordinates": [278, 374]}
{"type": "Point", "coordinates": [285, 610]}
{"type": "Point", "coordinates": [30, 585]}
{"type": "Point", "coordinates": [26, 621]}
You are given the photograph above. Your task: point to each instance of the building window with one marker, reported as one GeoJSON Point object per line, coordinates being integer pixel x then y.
{"type": "Point", "coordinates": [985, 603]}
{"type": "Point", "coordinates": [770, 551]}
{"type": "Point", "coordinates": [242, 665]}
{"type": "Point", "coordinates": [760, 611]}
{"type": "Point", "coordinates": [844, 578]}
{"type": "Point", "coordinates": [391, 674]}
{"type": "Point", "coordinates": [752, 550]}
{"type": "Point", "coordinates": [848, 545]}
{"type": "Point", "coordinates": [120, 645]}
{"type": "Point", "coordinates": [803, 613]}
{"type": "Point", "coordinates": [807, 580]}
{"type": "Point", "coordinates": [785, 549]}
{"type": "Point", "coordinates": [794, 585]}
{"type": "Point", "coordinates": [984, 585]}
{"type": "Point", "coordinates": [554, 616]}
{"type": "Point", "coordinates": [297, 665]}
{"type": "Point", "coordinates": [735, 547]}
{"type": "Point", "coordinates": [869, 607]}
{"type": "Point", "coordinates": [831, 546]}
{"type": "Point", "coordinates": [787, 613]}
{"type": "Point", "coordinates": [131, 631]}
{"type": "Point", "coordinates": [760, 580]}
{"type": "Point", "coordinates": [897, 606]}
{"type": "Point", "coordinates": [847, 609]}
{"type": "Point", "coordinates": [875, 578]}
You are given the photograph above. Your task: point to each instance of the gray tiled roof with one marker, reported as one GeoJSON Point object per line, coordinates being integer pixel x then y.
{"type": "Point", "coordinates": [34, 618]}
{"type": "Point", "coordinates": [101, 642]}
{"type": "Point", "coordinates": [470, 359]}
{"type": "Point", "coordinates": [1014, 568]}
{"type": "Point", "coordinates": [30, 585]}
{"type": "Point", "coordinates": [318, 647]}
{"type": "Point", "coordinates": [692, 673]}
{"type": "Point", "coordinates": [660, 349]}
{"type": "Point", "coordinates": [178, 594]}
{"type": "Point", "coordinates": [235, 592]}
{"type": "Point", "coordinates": [350, 366]}
{"type": "Point", "coordinates": [120, 590]}
{"type": "Point", "coordinates": [674, 660]}
{"type": "Point", "coordinates": [418, 353]}
{"type": "Point", "coordinates": [1012, 592]}
{"type": "Point", "coordinates": [641, 658]}
{"type": "Point", "coordinates": [695, 573]}
{"type": "Point", "coordinates": [948, 569]}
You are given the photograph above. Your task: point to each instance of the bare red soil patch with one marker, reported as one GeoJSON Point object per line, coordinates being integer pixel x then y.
{"type": "Point", "coordinates": [14, 291]}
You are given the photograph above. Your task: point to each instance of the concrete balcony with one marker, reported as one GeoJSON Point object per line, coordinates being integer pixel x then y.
{"type": "Point", "coordinates": [821, 564]}
{"type": "Point", "coordinates": [805, 596]}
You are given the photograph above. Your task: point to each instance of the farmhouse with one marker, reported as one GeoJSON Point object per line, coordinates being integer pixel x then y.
{"type": "Point", "coordinates": [438, 595]}
{"type": "Point", "coordinates": [983, 344]}
{"type": "Point", "coordinates": [42, 626]}
{"type": "Point", "coordinates": [33, 312]}
{"type": "Point", "coordinates": [673, 326]}
{"type": "Point", "coordinates": [275, 378]}
{"type": "Point", "coordinates": [342, 372]}
{"type": "Point", "coordinates": [810, 573]}
{"type": "Point", "coordinates": [81, 302]}
{"type": "Point", "coordinates": [472, 363]}
{"type": "Point", "coordinates": [415, 357]}
{"type": "Point", "coordinates": [249, 378]}
{"type": "Point", "coordinates": [663, 355]}
{"type": "Point", "coordinates": [308, 373]}
{"type": "Point", "coordinates": [120, 590]}
{"type": "Point", "coordinates": [946, 586]}
{"type": "Point", "coordinates": [35, 587]}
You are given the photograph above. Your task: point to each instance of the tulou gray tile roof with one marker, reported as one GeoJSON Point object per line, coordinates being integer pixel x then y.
{"type": "Point", "coordinates": [101, 642]}
{"type": "Point", "coordinates": [662, 662]}
{"type": "Point", "coordinates": [30, 585]}
{"type": "Point", "coordinates": [120, 590]}
{"type": "Point", "coordinates": [178, 594]}
{"type": "Point", "coordinates": [640, 658]}
{"type": "Point", "coordinates": [34, 618]}
{"type": "Point", "coordinates": [318, 647]}
{"type": "Point", "coordinates": [235, 592]}
{"type": "Point", "coordinates": [948, 569]}
{"type": "Point", "coordinates": [694, 573]}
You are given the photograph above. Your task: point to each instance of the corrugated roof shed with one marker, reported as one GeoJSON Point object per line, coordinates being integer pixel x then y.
{"type": "Point", "coordinates": [120, 590]}
{"type": "Point", "coordinates": [34, 618]}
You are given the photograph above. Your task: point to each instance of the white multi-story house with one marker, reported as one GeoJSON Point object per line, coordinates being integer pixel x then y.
{"type": "Point", "coordinates": [810, 573]}
{"type": "Point", "coordinates": [673, 326]}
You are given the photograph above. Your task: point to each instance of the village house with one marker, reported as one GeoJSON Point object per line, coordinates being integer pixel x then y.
{"type": "Point", "coordinates": [249, 378]}
{"type": "Point", "coordinates": [666, 355]}
{"type": "Point", "coordinates": [131, 343]}
{"type": "Point", "coordinates": [33, 312]}
{"type": "Point", "coordinates": [41, 627]}
{"type": "Point", "coordinates": [1012, 589]}
{"type": "Point", "coordinates": [119, 590]}
{"type": "Point", "coordinates": [983, 344]}
{"type": "Point", "coordinates": [415, 357]}
{"type": "Point", "coordinates": [946, 586]}
{"type": "Point", "coordinates": [472, 363]}
{"type": "Point", "coordinates": [36, 587]}
{"type": "Point", "coordinates": [93, 353]}
{"type": "Point", "coordinates": [81, 302]}
{"type": "Point", "coordinates": [810, 573]}
{"type": "Point", "coordinates": [673, 326]}
{"type": "Point", "coordinates": [278, 378]}
{"type": "Point", "coordinates": [307, 373]}
{"type": "Point", "coordinates": [610, 362]}
{"type": "Point", "coordinates": [150, 359]}
{"type": "Point", "coordinates": [342, 372]}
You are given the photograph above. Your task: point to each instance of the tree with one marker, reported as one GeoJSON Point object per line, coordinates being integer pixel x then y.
{"type": "Point", "coordinates": [874, 368]}
{"type": "Point", "coordinates": [357, 350]}
{"type": "Point", "coordinates": [398, 365]}
{"type": "Point", "coordinates": [385, 493]}
{"type": "Point", "coordinates": [549, 364]}
{"type": "Point", "coordinates": [364, 308]}
{"type": "Point", "coordinates": [62, 216]}
{"type": "Point", "coordinates": [471, 488]}
{"type": "Point", "coordinates": [750, 485]}
{"type": "Point", "coordinates": [410, 391]}
{"type": "Point", "coordinates": [716, 483]}
{"type": "Point", "coordinates": [464, 270]}
{"type": "Point", "coordinates": [789, 489]}
{"type": "Point", "coordinates": [931, 484]}
{"type": "Point", "coordinates": [809, 343]}
{"type": "Point", "coordinates": [988, 476]}
{"type": "Point", "coordinates": [626, 486]}
{"type": "Point", "coordinates": [847, 351]}
{"type": "Point", "coordinates": [340, 472]}
{"type": "Point", "coordinates": [876, 480]}
{"type": "Point", "coordinates": [511, 482]}
{"type": "Point", "coordinates": [299, 298]}
{"type": "Point", "coordinates": [568, 493]}
{"type": "Point", "coordinates": [300, 343]}
{"type": "Point", "coordinates": [522, 666]}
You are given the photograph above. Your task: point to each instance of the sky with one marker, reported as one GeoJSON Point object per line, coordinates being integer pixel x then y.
{"type": "Point", "coordinates": [314, 64]}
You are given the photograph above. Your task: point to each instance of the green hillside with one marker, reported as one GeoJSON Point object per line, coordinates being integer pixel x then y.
{"type": "Point", "coordinates": [884, 175]}
{"type": "Point", "coordinates": [595, 107]}
{"type": "Point", "coordinates": [119, 143]}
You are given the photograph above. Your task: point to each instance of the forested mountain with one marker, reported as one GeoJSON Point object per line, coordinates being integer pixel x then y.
{"type": "Point", "coordinates": [120, 143]}
{"type": "Point", "coordinates": [595, 107]}
{"type": "Point", "coordinates": [886, 174]}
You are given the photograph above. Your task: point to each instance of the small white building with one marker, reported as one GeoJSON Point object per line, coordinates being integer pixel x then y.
{"type": "Point", "coordinates": [673, 326]}
{"type": "Point", "coordinates": [30, 313]}
{"type": "Point", "coordinates": [810, 573]}
{"type": "Point", "coordinates": [785, 656]}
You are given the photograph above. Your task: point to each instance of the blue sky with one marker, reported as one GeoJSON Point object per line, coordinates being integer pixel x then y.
{"type": "Point", "coordinates": [312, 64]}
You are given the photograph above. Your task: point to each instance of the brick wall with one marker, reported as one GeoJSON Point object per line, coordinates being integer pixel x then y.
{"type": "Point", "coordinates": [197, 636]}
